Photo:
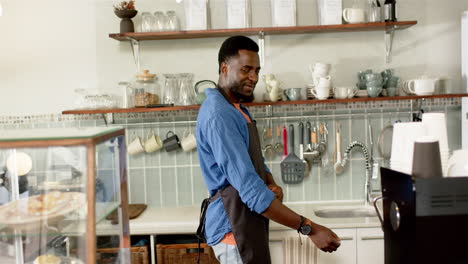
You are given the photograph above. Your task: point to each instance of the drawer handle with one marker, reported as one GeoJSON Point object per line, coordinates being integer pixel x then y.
{"type": "Point", "coordinates": [372, 238]}
{"type": "Point", "coordinates": [347, 238]}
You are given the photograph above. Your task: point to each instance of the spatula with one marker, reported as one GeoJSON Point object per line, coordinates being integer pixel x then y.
{"type": "Point", "coordinates": [292, 167]}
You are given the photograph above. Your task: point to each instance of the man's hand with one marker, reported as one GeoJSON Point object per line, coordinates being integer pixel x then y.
{"type": "Point", "coordinates": [278, 191]}
{"type": "Point", "coordinates": [323, 237]}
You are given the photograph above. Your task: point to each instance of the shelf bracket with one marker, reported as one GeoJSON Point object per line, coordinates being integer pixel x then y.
{"type": "Point", "coordinates": [135, 44]}
{"type": "Point", "coordinates": [108, 118]}
{"type": "Point", "coordinates": [389, 33]}
{"type": "Point", "coordinates": [261, 44]}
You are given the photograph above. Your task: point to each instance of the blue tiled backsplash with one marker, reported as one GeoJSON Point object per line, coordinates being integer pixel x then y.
{"type": "Point", "coordinates": [172, 179]}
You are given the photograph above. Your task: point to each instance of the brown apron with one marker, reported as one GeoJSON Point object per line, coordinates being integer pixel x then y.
{"type": "Point", "coordinates": [250, 229]}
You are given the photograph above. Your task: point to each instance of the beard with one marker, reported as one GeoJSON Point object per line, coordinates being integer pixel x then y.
{"type": "Point", "coordinates": [236, 90]}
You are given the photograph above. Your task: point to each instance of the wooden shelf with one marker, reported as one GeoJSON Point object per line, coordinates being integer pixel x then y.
{"type": "Point", "coordinates": [131, 110]}
{"type": "Point", "coordinates": [328, 101]}
{"type": "Point", "coordinates": [213, 33]}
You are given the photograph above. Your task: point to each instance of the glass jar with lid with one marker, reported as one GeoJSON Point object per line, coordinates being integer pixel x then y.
{"type": "Point", "coordinates": [146, 89]}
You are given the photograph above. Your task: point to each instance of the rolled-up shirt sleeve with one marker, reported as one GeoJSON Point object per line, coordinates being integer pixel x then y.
{"type": "Point", "coordinates": [230, 150]}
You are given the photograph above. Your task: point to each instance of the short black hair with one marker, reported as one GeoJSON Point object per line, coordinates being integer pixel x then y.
{"type": "Point", "coordinates": [231, 46]}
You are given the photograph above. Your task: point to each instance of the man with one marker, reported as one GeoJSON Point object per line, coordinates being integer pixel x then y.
{"type": "Point", "coordinates": [243, 193]}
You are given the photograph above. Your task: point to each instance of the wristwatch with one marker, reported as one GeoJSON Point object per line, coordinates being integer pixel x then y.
{"type": "Point", "coordinates": [304, 229]}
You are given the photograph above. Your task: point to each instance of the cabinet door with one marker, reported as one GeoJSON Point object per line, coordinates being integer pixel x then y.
{"type": "Point", "coordinates": [276, 252]}
{"type": "Point", "coordinates": [370, 246]}
{"type": "Point", "coordinates": [287, 247]}
{"type": "Point", "coordinates": [346, 253]}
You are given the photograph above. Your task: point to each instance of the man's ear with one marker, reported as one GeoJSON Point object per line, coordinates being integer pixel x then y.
{"type": "Point", "coordinates": [224, 68]}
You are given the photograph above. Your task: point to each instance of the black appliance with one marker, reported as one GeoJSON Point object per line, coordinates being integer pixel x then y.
{"type": "Point", "coordinates": [424, 220]}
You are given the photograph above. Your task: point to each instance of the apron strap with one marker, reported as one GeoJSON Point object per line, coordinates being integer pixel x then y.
{"type": "Point", "coordinates": [201, 226]}
{"type": "Point", "coordinates": [203, 208]}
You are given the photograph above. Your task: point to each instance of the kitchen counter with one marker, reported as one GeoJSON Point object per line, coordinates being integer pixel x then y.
{"type": "Point", "coordinates": [184, 220]}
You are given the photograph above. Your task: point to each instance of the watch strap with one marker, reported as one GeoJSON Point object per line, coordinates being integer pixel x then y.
{"type": "Point", "coordinates": [301, 224]}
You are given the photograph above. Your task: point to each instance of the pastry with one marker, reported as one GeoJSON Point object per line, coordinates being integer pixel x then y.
{"type": "Point", "coordinates": [47, 259]}
{"type": "Point", "coordinates": [43, 204]}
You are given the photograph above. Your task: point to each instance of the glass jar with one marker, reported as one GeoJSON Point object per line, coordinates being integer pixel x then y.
{"type": "Point", "coordinates": [127, 96]}
{"type": "Point", "coordinates": [172, 21]}
{"type": "Point", "coordinates": [146, 89]}
{"type": "Point", "coordinates": [159, 21]}
{"type": "Point", "coordinates": [147, 22]}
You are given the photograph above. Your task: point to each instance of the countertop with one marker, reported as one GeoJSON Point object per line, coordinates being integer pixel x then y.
{"type": "Point", "coordinates": [184, 220]}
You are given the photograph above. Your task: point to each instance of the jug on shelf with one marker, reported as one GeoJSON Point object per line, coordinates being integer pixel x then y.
{"type": "Point", "coordinates": [170, 95]}
{"type": "Point", "coordinates": [275, 91]}
{"type": "Point", "coordinates": [200, 96]}
{"type": "Point", "coordinates": [186, 94]}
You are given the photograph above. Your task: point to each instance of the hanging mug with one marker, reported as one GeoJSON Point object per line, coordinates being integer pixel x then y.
{"type": "Point", "coordinates": [135, 146]}
{"type": "Point", "coordinates": [171, 142]}
{"type": "Point", "coordinates": [153, 142]}
{"type": "Point", "coordinates": [189, 141]}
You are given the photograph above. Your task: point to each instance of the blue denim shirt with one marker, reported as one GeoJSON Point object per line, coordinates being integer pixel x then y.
{"type": "Point", "coordinates": [222, 145]}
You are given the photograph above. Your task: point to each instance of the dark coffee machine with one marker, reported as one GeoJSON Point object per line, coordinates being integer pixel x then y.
{"type": "Point", "coordinates": [424, 220]}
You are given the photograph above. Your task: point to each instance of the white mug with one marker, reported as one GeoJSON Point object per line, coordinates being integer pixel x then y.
{"type": "Point", "coordinates": [321, 92]}
{"type": "Point", "coordinates": [324, 81]}
{"type": "Point", "coordinates": [153, 142]}
{"type": "Point", "coordinates": [321, 80]}
{"type": "Point", "coordinates": [19, 162]}
{"type": "Point", "coordinates": [354, 15]}
{"type": "Point", "coordinates": [188, 142]}
{"type": "Point", "coordinates": [344, 92]}
{"type": "Point", "coordinates": [135, 146]}
{"type": "Point", "coordinates": [319, 69]}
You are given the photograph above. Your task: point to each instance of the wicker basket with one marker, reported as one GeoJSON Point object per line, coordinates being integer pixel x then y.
{"type": "Point", "coordinates": [184, 254]}
{"type": "Point", "coordinates": [138, 255]}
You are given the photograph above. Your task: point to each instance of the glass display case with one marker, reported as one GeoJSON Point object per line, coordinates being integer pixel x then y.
{"type": "Point", "coordinates": [56, 186]}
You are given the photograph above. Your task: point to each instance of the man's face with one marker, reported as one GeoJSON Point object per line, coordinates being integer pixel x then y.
{"type": "Point", "coordinates": [241, 74]}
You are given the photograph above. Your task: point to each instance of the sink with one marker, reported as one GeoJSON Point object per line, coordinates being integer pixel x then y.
{"type": "Point", "coordinates": [345, 211]}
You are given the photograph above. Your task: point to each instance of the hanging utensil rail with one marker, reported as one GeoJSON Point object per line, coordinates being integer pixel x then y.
{"type": "Point", "coordinates": [157, 122]}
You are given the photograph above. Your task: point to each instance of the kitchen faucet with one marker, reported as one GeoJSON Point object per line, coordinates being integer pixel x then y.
{"type": "Point", "coordinates": [369, 169]}
{"type": "Point", "coordinates": [371, 165]}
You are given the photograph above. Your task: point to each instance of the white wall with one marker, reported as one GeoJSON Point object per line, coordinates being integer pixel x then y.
{"type": "Point", "coordinates": [47, 49]}
{"type": "Point", "coordinates": [51, 47]}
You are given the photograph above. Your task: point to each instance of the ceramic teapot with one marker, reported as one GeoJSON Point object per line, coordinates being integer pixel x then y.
{"type": "Point", "coordinates": [199, 95]}
{"type": "Point", "coordinates": [421, 86]}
